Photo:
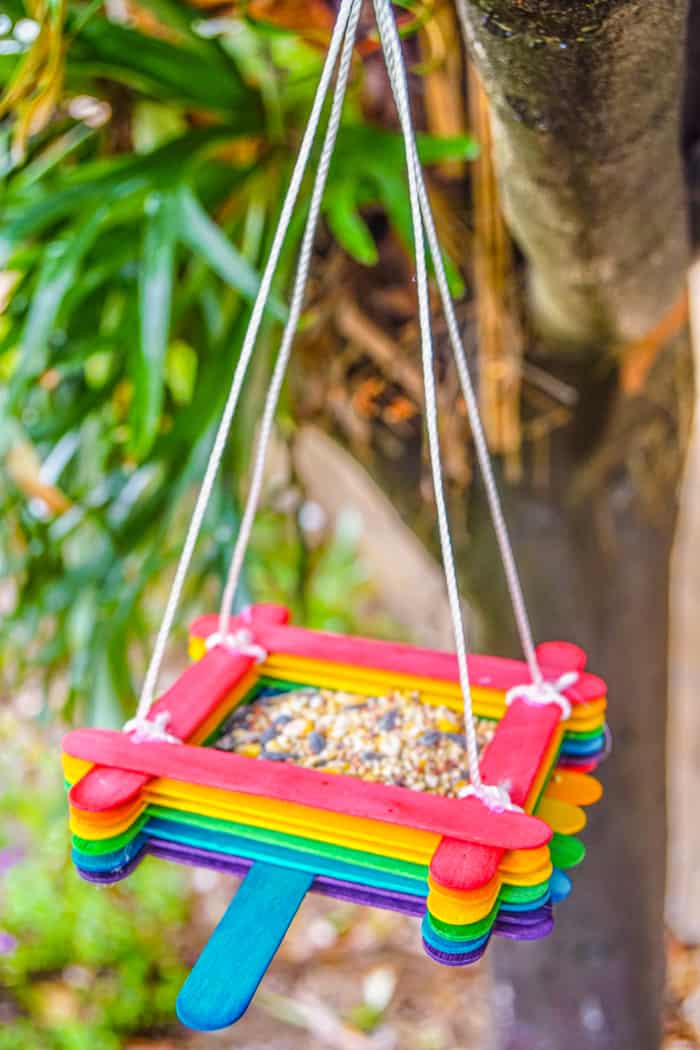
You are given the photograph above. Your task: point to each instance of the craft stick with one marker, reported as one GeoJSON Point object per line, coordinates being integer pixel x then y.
{"type": "Point", "coordinates": [201, 689]}
{"type": "Point", "coordinates": [560, 886]}
{"type": "Point", "coordinates": [566, 851]}
{"type": "Point", "coordinates": [577, 788]}
{"type": "Point", "coordinates": [505, 915]}
{"type": "Point", "coordinates": [494, 672]}
{"type": "Point", "coordinates": [295, 670]}
{"type": "Point", "coordinates": [508, 914]}
{"type": "Point", "coordinates": [231, 966]}
{"type": "Point", "coordinates": [585, 717]}
{"type": "Point", "coordinates": [287, 852]}
{"type": "Point", "coordinates": [466, 819]}
{"type": "Point", "coordinates": [517, 752]}
{"type": "Point", "coordinates": [587, 765]}
{"type": "Point", "coordinates": [562, 817]}
{"type": "Point", "coordinates": [454, 960]}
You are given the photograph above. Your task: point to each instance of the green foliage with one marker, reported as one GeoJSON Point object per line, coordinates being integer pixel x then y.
{"type": "Point", "coordinates": [89, 964]}
{"type": "Point", "coordinates": [134, 221]}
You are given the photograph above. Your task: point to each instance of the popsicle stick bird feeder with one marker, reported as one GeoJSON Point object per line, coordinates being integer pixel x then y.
{"type": "Point", "coordinates": [445, 786]}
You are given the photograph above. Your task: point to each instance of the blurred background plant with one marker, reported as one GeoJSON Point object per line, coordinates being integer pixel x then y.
{"type": "Point", "coordinates": [79, 968]}
{"type": "Point", "coordinates": [144, 152]}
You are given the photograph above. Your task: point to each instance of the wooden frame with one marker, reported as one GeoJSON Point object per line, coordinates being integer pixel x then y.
{"type": "Point", "coordinates": [467, 869]}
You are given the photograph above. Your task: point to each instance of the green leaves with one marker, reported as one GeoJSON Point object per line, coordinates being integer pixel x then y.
{"type": "Point", "coordinates": [369, 168]}
{"type": "Point", "coordinates": [57, 272]}
{"type": "Point", "coordinates": [155, 297]}
{"type": "Point", "coordinates": [192, 72]}
{"type": "Point", "coordinates": [209, 241]}
{"type": "Point", "coordinates": [174, 216]}
{"type": "Point", "coordinates": [135, 243]}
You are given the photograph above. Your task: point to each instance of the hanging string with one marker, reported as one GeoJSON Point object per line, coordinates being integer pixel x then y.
{"type": "Point", "coordinates": [470, 399]}
{"type": "Point", "coordinates": [397, 77]}
{"type": "Point", "coordinates": [538, 691]}
{"type": "Point", "coordinates": [295, 308]}
{"type": "Point", "coordinates": [151, 679]}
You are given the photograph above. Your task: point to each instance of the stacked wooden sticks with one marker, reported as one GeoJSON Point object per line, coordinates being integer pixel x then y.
{"type": "Point", "coordinates": [466, 870]}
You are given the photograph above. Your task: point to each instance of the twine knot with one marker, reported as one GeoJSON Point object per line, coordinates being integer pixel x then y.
{"type": "Point", "coordinates": [142, 729]}
{"type": "Point", "coordinates": [240, 641]}
{"type": "Point", "coordinates": [495, 797]}
{"type": "Point", "coordinates": [545, 693]}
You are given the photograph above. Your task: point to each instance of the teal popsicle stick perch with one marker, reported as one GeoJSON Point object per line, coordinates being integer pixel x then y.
{"type": "Point", "coordinates": [226, 976]}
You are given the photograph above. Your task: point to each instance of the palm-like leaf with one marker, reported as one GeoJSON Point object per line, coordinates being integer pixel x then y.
{"type": "Point", "coordinates": [133, 277]}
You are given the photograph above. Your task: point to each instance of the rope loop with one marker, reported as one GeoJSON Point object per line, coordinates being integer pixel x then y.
{"type": "Point", "coordinates": [240, 641]}
{"type": "Point", "coordinates": [151, 730]}
{"type": "Point", "coordinates": [545, 693]}
{"type": "Point", "coordinates": [495, 797]}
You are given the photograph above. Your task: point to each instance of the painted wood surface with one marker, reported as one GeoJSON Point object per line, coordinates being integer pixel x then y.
{"type": "Point", "coordinates": [494, 672]}
{"type": "Point", "coordinates": [198, 692]}
{"type": "Point", "coordinates": [517, 753]}
{"type": "Point", "coordinates": [226, 975]}
{"type": "Point", "coordinates": [194, 698]}
{"type": "Point", "coordinates": [466, 819]}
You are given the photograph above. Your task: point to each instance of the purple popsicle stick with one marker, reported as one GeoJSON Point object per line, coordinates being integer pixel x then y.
{"type": "Point", "coordinates": [448, 959]}
{"type": "Point", "coordinates": [341, 889]}
{"type": "Point", "coordinates": [526, 933]}
{"type": "Point", "coordinates": [408, 904]}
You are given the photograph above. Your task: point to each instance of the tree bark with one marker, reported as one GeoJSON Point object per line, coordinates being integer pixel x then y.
{"type": "Point", "coordinates": [586, 106]}
{"type": "Point", "coordinates": [596, 569]}
{"type": "Point", "coordinates": [594, 550]}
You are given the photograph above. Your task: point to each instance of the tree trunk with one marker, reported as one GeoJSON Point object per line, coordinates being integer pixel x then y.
{"type": "Point", "coordinates": [586, 102]}
{"type": "Point", "coordinates": [586, 106]}
{"type": "Point", "coordinates": [594, 550]}
{"type": "Point", "coordinates": [596, 569]}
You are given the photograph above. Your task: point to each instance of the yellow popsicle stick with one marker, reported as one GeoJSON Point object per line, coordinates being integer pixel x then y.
{"type": "Point", "coordinates": [543, 771]}
{"type": "Point", "coordinates": [522, 861]}
{"type": "Point", "coordinates": [520, 866]}
{"type": "Point", "coordinates": [465, 910]}
{"type": "Point", "coordinates": [276, 815]}
{"type": "Point", "coordinates": [74, 769]}
{"type": "Point", "coordinates": [562, 816]}
{"type": "Point", "coordinates": [487, 702]}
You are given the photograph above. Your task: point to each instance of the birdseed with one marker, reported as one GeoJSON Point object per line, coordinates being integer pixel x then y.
{"type": "Point", "coordinates": [389, 739]}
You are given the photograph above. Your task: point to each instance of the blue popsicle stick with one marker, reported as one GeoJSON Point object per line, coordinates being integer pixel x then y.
{"type": "Point", "coordinates": [584, 747]}
{"type": "Point", "coordinates": [561, 886]}
{"type": "Point", "coordinates": [226, 975]}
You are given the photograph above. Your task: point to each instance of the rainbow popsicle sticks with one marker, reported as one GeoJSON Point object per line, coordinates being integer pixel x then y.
{"type": "Point", "coordinates": [465, 870]}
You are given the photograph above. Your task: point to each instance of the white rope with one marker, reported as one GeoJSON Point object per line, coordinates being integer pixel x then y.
{"type": "Point", "coordinates": [508, 561]}
{"type": "Point", "coordinates": [538, 691]}
{"type": "Point", "coordinates": [151, 679]}
{"type": "Point", "coordinates": [151, 729]}
{"type": "Point", "coordinates": [482, 452]}
{"type": "Point", "coordinates": [397, 77]}
{"type": "Point", "coordinates": [295, 308]}
{"type": "Point", "coordinates": [241, 641]}
{"type": "Point", "coordinates": [545, 693]}
{"type": "Point", "coordinates": [494, 796]}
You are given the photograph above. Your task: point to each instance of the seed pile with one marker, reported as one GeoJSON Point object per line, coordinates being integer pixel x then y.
{"type": "Point", "coordinates": [392, 739]}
